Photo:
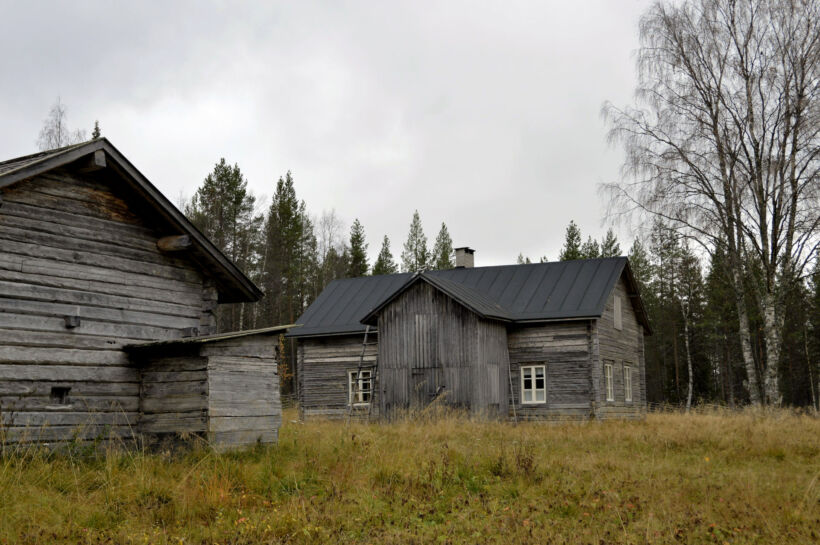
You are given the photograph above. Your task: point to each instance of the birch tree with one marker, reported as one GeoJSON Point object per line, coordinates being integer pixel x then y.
{"type": "Point", "coordinates": [723, 144]}
{"type": "Point", "coordinates": [55, 132]}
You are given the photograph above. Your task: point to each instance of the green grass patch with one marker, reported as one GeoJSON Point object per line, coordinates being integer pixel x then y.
{"type": "Point", "coordinates": [718, 477]}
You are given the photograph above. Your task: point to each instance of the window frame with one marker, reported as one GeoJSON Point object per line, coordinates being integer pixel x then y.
{"type": "Point", "coordinates": [627, 383]}
{"type": "Point", "coordinates": [609, 382]}
{"type": "Point", "coordinates": [618, 314]}
{"type": "Point", "coordinates": [532, 368]}
{"type": "Point", "coordinates": [366, 377]}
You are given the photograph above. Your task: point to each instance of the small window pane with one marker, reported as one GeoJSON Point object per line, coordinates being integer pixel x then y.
{"type": "Point", "coordinates": [533, 384]}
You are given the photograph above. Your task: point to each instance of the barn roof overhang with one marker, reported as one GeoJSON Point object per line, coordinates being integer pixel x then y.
{"type": "Point", "coordinates": [467, 297]}
{"type": "Point", "coordinates": [232, 284]}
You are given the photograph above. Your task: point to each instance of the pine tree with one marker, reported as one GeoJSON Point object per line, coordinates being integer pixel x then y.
{"type": "Point", "coordinates": [224, 210]}
{"type": "Point", "coordinates": [590, 249]}
{"type": "Point", "coordinates": [572, 243]}
{"type": "Point", "coordinates": [415, 257]}
{"type": "Point", "coordinates": [95, 134]}
{"type": "Point", "coordinates": [384, 262]}
{"type": "Point", "coordinates": [358, 251]}
{"type": "Point", "coordinates": [610, 246]}
{"type": "Point", "coordinates": [443, 250]}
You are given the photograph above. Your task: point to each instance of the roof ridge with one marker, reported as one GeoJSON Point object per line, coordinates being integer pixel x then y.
{"type": "Point", "coordinates": [45, 153]}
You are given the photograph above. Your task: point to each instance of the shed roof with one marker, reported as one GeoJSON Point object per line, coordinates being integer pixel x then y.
{"type": "Point", "coordinates": [232, 284]}
{"type": "Point", "coordinates": [536, 292]}
{"type": "Point", "coordinates": [204, 339]}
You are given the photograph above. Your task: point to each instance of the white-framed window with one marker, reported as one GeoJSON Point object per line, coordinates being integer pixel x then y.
{"type": "Point", "coordinates": [359, 388]}
{"type": "Point", "coordinates": [627, 383]}
{"type": "Point", "coordinates": [618, 314]}
{"type": "Point", "coordinates": [610, 388]}
{"type": "Point", "coordinates": [533, 384]}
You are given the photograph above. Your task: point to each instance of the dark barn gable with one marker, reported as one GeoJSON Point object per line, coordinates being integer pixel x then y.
{"type": "Point", "coordinates": [93, 258]}
{"type": "Point", "coordinates": [523, 340]}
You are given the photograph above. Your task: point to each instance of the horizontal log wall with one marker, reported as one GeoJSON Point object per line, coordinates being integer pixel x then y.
{"type": "Point", "coordinates": [244, 407]}
{"type": "Point", "coordinates": [174, 396]}
{"type": "Point", "coordinates": [72, 246]}
{"type": "Point", "coordinates": [323, 365]}
{"type": "Point", "coordinates": [620, 348]}
{"type": "Point", "coordinates": [563, 348]}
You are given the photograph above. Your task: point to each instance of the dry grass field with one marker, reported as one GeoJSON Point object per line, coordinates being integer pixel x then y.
{"type": "Point", "coordinates": [712, 477]}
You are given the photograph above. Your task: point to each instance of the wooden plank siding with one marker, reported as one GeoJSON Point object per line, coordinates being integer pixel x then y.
{"type": "Point", "coordinates": [72, 245]}
{"type": "Point", "coordinates": [564, 349]}
{"type": "Point", "coordinates": [322, 373]}
{"type": "Point", "coordinates": [430, 345]}
{"type": "Point", "coordinates": [620, 348]}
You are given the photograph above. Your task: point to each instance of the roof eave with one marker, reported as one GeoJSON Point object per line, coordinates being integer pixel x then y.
{"type": "Point", "coordinates": [239, 287]}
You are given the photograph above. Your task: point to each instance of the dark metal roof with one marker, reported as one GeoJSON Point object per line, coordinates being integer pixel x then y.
{"type": "Point", "coordinates": [467, 296]}
{"type": "Point", "coordinates": [563, 290]}
{"type": "Point", "coordinates": [343, 303]}
{"type": "Point", "coordinates": [232, 284]}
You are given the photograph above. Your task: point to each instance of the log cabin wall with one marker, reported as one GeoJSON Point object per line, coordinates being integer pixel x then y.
{"type": "Point", "coordinates": [224, 391]}
{"type": "Point", "coordinates": [244, 407]}
{"type": "Point", "coordinates": [431, 346]}
{"type": "Point", "coordinates": [80, 276]}
{"type": "Point", "coordinates": [620, 348]}
{"type": "Point", "coordinates": [563, 348]}
{"type": "Point", "coordinates": [173, 396]}
{"type": "Point", "coordinates": [323, 364]}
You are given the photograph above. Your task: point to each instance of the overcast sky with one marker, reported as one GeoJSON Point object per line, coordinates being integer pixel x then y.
{"type": "Point", "coordinates": [483, 115]}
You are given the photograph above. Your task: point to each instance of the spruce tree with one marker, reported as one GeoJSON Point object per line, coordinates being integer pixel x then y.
{"type": "Point", "coordinates": [610, 246]}
{"type": "Point", "coordinates": [572, 243]}
{"type": "Point", "coordinates": [443, 250]}
{"type": "Point", "coordinates": [639, 263]}
{"type": "Point", "coordinates": [415, 257]}
{"type": "Point", "coordinates": [384, 262]}
{"type": "Point", "coordinates": [590, 249]}
{"type": "Point", "coordinates": [288, 258]}
{"type": "Point", "coordinates": [95, 134]}
{"type": "Point", "coordinates": [523, 260]}
{"type": "Point", "coordinates": [358, 251]}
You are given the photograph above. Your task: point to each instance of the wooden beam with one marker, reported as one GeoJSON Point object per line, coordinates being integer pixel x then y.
{"type": "Point", "coordinates": [96, 161]}
{"type": "Point", "coordinates": [175, 243]}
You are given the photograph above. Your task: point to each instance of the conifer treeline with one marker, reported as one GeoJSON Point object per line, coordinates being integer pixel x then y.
{"type": "Point", "coordinates": [291, 256]}
{"type": "Point", "coordinates": [689, 301]}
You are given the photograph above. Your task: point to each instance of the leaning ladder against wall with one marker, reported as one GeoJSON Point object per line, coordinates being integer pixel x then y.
{"type": "Point", "coordinates": [363, 410]}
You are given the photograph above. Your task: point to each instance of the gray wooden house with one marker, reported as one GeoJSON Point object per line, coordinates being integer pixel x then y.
{"type": "Point", "coordinates": [107, 300]}
{"type": "Point", "coordinates": [537, 341]}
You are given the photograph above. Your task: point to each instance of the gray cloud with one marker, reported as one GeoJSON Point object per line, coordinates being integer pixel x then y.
{"type": "Point", "coordinates": [483, 116]}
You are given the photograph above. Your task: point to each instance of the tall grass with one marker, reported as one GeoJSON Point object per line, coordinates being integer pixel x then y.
{"type": "Point", "coordinates": [710, 477]}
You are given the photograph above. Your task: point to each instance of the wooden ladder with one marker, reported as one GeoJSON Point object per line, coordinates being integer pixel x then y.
{"type": "Point", "coordinates": [354, 392]}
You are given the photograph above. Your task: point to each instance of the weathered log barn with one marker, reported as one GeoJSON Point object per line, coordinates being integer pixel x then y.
{"type": "Point", "coordinates": [559, 340]}
{"type": "Point", "coordinates": [107, 300]}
